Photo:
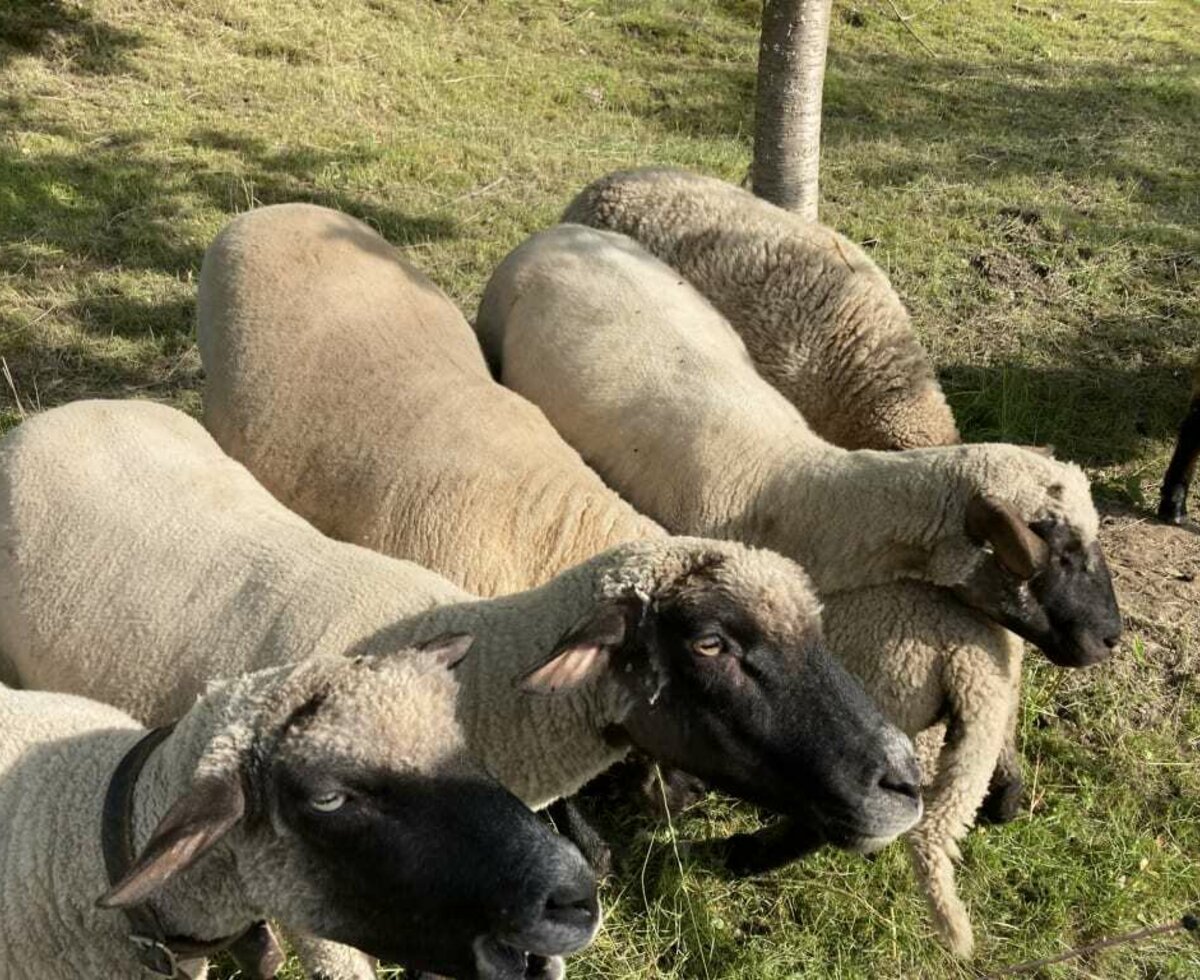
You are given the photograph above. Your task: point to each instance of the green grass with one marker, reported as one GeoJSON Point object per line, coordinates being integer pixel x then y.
{"type": "Point", "coordinates": [1031, 188]}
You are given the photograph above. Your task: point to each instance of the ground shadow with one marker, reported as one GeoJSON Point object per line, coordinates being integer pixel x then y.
{"type": "Point", "coordinates": [113, 206]}
{"type": "Point", "coordinates": [68, 35]}
{"type": "Point", "coordinates": [1095, 415]}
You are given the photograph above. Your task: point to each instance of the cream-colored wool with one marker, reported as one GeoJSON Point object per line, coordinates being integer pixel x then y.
{"type": "Point", "coordinates": [58, 752]}
{"type": "Point", "coordinates": [638, 371]}
{"type": "Point", "coordinates": [927, 660]}
{"type": "Point", "coordinates": [680, 423]}
{"type": "Point", "coordinates": [180, 567]}
{"type": "Point", "coordinates": [353, 389]}
{"type": "Point", "coordinates": [820, 319]}
{"type": "Point", "coordinates": [183, 568]}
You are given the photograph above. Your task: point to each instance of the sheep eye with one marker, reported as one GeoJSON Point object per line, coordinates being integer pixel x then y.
{"type": "Point", "coordinates": [328, 802]}
{"type": "Point", "coordinates": [709, 645]}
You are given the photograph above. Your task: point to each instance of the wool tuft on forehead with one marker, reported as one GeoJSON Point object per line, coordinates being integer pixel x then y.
{"type": "Point", "coordinates": [772, 588]}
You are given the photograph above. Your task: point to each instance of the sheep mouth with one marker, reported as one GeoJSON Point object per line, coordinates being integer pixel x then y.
{"type": "Point", "coordinates": [496, 960]}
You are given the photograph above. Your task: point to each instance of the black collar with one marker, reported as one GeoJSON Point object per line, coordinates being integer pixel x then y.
{"type": "Point", "coordinates": [175, 957]}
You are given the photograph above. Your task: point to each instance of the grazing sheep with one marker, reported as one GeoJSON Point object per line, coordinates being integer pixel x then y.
{"type": "Point", "coordinates": [705, 655]}
{"type": "Point", "coordinates": [819, 318]}
{"type": "Point", "coordinates": [336, 795]}
{"type": "Point", "coordinates": [641, 374]}
{"type": "Point", "coordinates": [638, 371]}
{"type": "Point", "coordinates": [353, 389]}
{"type": "Point", "coordinates": [1172, 506]}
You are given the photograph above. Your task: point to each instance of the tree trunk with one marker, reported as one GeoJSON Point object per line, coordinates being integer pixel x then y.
{"type": "Point", "coordinates": [787, 125]}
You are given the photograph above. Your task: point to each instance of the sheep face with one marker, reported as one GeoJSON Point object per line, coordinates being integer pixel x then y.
{"type": "Point", "coordinates": [366, 822]}
{"type": "Point", "coordinates": [723, 674]}
{"type": "Point", "coordinates": [1044, 582]}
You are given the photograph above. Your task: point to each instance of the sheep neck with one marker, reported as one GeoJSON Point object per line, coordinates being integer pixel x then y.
{"type": "Point", "coordinates": [540, 747]}
{"type": "Point", "coordinates": [854, 519]}
{"type": "Point", "coordinates": [205, 901]}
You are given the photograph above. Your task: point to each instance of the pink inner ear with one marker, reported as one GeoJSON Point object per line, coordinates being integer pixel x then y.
{"type": "Point", "coordinates": [572, 668]}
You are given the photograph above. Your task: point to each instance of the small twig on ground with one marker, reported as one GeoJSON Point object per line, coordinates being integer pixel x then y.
{"type": "Point", "coordinates": [479, 190]}
{"type": "Point", "coordinates": [904, 22]}
{"type": "Point", "coordinates": [12, 386]}
{"type": "Point", "coordinates": [1186, 922]}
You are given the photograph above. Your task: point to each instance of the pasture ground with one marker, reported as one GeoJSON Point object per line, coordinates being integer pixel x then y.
{"type": "Point", "coordinates": [1027, 174]}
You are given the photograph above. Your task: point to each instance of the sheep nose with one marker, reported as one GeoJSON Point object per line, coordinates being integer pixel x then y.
{"type": "Point", "coordinates": [575, 904]}
{"type": "Point", "coordinates": [1112, 640]}
{"type": "Point", "coordinates": [900, 773]}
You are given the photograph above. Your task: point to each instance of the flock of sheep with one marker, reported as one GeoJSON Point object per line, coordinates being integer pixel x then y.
{"type": "Point", "coordinates": [409, 582]}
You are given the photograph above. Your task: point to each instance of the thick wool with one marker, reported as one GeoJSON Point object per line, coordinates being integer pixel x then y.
{"type": "Point", "coordinates": [180, 567]}
{"type": "Point", "coordinates": [819, 318]}
{"type": "Point", "coordinates": [353, 389]}
{"type": "Point", "coordinates": [58, 752]}
{"type": "Point", "coordinates": [930, 663]}
{"type": "Point", "coordinates": [638, 371]}
{"type": "Point", "coordinates": [648, 380]}
{"type": "Point", "coordinates": [183, 568]}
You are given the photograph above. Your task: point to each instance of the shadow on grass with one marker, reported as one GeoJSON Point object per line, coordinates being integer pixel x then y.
{"type": "Point", "coordinates": [64, 33]}
{"type": "Point", "coordinates": [1081, 120]}
{"type": "Point", "coordinates": [1097, 415]}
{"type": "Point", "coordinates": [112, 206]}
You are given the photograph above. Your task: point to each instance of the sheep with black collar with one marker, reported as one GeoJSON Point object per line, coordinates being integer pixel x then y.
{"type": "Point", "coordinates": [336, 795]}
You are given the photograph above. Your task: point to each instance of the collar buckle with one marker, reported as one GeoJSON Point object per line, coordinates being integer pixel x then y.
{"type": "Point", "coordinates": [156, 956]}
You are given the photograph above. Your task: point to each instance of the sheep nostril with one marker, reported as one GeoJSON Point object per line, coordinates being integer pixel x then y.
{"type": "Point", "coordinates": [1112, 641]}
{"type": "Point", "coordinates": [572, 903]}
{"type": "Point", "coordinates": [901, 786]}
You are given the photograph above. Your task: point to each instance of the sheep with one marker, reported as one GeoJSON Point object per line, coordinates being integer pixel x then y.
{"type": "Point", "coordinates": [819, 318]}
{"type": "Point", "coordinates": [335, 794]}
{"type": "Point", "coordinates": [673, 414]}
{"type": "Point", "coordinates": [1010, 530]}
{"type": "Point", "coordinates": [825, 319]}
{"type": "Point", "coordinates": [706, 655]}
{"type": "Point", "coordinates": [359, 430]}
{"type": "Point", "coordinates": [1172, 505]}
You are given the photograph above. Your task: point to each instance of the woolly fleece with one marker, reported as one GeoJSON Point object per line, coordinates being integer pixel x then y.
{"type": "Point", "coordinates": [353, 389]}
{"type": "Point", "coordinates": [57, 754]}
{"type": "Point", "coordinates": [819, 318]}
{"type": "Point", "coordinates": [637, 370]}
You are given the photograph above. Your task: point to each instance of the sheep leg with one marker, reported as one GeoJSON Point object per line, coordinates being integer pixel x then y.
{"type": "Point", "coordinates": [772, 847]}
{"type": "Point", "coordinates": [974, 737]}
{"type": "Point", "coordinates": [1172, 506]}
{"type": "Point", "coordinates": [323, 960]}
{"type": "Point", "coordinates": [1003, 800]}
{"type": "Point", "coordinates": [575, 827]}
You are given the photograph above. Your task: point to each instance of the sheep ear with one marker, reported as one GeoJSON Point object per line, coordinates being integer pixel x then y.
{"type": "Point", "coordinates": [1020, 550]}
{"type": "Point", "coordinates": [582, 654]}
{"type": "Point", "coordinates": [197, 821]}
{"type": "Point", "coordinates": [447, 649]}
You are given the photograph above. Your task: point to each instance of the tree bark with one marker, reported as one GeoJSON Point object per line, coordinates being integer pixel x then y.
{"type": "Point", "coordinates": [787, 125]}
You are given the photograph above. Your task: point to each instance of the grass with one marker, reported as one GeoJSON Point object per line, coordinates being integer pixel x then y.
{"type": "Point", "coordinates": [1030, 186]}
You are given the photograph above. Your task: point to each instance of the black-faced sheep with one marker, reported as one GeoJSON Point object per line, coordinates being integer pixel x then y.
{"type": "Point", "coordinates": [336, 795]}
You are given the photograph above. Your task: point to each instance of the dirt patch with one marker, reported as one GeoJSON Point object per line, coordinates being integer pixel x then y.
{"type": "Point", "coordinates": [1008, 270]}
{"type": "Point", "coordinates": [1156, 570]}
